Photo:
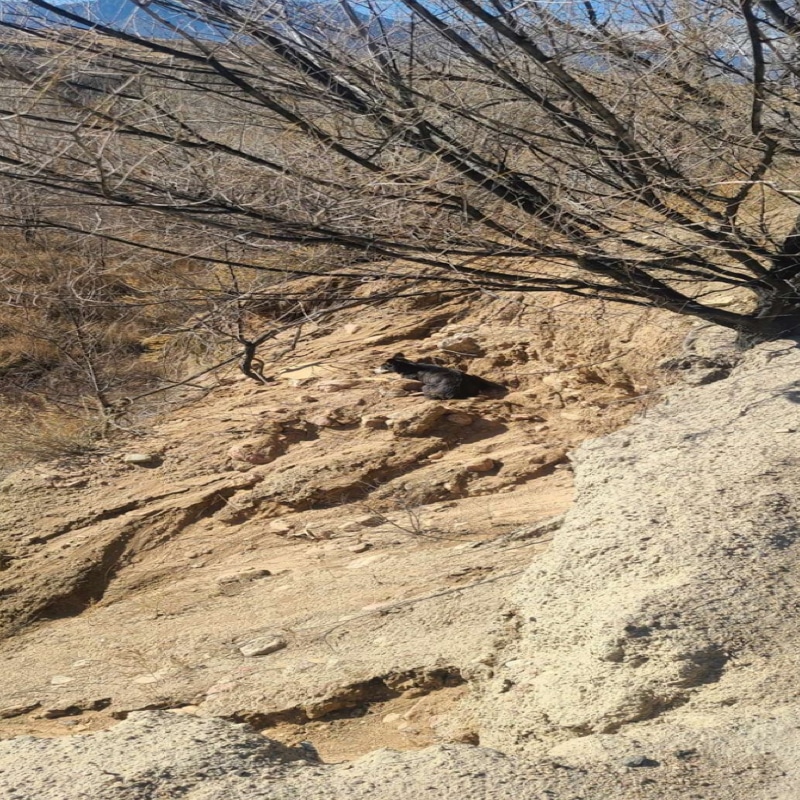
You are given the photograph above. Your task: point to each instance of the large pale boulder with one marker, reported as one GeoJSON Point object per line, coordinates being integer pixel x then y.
{"type": "Point", "coordinates": [671, 591]}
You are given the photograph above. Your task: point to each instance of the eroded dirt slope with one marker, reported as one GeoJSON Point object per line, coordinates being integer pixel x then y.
{"type": "Point", "coordinates": [649, 652]}
{"type": "Point", "coordinates": [327, 555]}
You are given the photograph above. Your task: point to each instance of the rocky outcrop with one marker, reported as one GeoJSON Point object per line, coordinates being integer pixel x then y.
{"type": "Point", "coordinates": [158, 754]}
{"type": "Point", "coordinates": [667, 608]}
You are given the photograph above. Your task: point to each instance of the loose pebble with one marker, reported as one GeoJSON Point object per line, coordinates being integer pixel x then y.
{"type": "Point", "coordinates": [482, 465]}
{"type": "Point", "coordinates": [263, 646]}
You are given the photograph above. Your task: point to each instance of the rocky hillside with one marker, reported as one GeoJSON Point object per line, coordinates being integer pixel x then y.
{"type": "Point", "coordinates": [342, 565]}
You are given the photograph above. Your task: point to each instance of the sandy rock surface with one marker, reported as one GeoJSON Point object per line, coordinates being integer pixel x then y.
{"type": "Point", "coordinates": [139, 585]}
{"type": "Point", "coordinates": [162, 755]}
{"type": "Point", "coordinates": [664, 617]}
{"type": "Point", "coordinates": [650, 652]}
{"type": "Point", "coordinates": [330, 558]}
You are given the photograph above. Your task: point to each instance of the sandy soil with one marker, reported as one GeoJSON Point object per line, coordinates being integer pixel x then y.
{"type": "Point", "coordinates": [369, 533]}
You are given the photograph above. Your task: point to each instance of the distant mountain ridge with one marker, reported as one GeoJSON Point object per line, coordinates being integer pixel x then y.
{"type": "Point", "coordinates": [125, 15]}
{"type": "Point", "coordinates": [119, 14]}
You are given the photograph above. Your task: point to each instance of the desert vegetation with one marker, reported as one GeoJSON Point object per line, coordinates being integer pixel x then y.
{"type": "Point", "coordinates": [171, 171]}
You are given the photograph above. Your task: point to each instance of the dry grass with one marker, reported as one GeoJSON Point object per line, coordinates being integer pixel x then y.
{"type": "Point", "coordinates": [74, 325]}
{"type": "Point", "coordinates": [85, 328]}
{"type": "Point", "coordinates": [29, 436]}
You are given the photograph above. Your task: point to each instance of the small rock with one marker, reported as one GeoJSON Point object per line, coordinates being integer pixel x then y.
{"type": "Point", "coordinates": [365, 561]}
{"type": "Point", "coordinates": [349, 414]}
{"type": "Point", "coordinates": [360, 547]}
{"type": "Point", "coordinates": [390, 718]}
{"type": "Point", "coordinates": [462, 344]}
{"type": "Point", "coordinates": [704, 377]}
{"type": "Point", "coordinates": [350, 527]}
{"type": "Point", "coordinates": [336, 385]}
{"type": "Point", "coordinates": [280, 527]}
{"type": "Point", "coordinates": [323, 420]}
{"type": "Point", "coordinates": [142, 459]}
{"type": "Point", "coordinates": [263, 646]}
{"type": "Point", "coordinates": [76, 483]}
{"type": "Point", "coordinates": [553, 381]}
{"type": "Point", "coordinates": [60, 680]}
{"type": "Point", "coordinates": [373, 422]}
{"type": "Point", "coordinates": [378, 606]}
{"type": "Point", "coordinates": [370, 520]}
{"type": "Point", "coordinates": [191, 711]}
{"type": "Point", "coordinates": [459, 418]}
{"type": "Point", "coordinates": [220, 687]}
{"type": "Point", "coordinates": [641, 761]}
{"type": "Point", "coordinates": [258, 449]}
{"type": "Point", "coordinates": [482, 465]}
{"type": "Point", "coordinates": [245, 575]}
{"type": "Point", "coordinates": [54, 712]}
{"type": "Point", "coordinates": [365, 521]}
{"type": "Point", "coordinates": [436, 456]}
{"type": "Point", "coordinates": [309, 751]}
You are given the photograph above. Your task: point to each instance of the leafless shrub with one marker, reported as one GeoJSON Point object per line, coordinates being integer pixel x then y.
{"type": "Point", "coordinates": [185, 172]}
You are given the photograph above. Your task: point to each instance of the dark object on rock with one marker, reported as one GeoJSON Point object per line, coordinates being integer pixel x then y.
{"type": "Point", "coordinates": [441, 383]}
{"type": "Point", "coordinates": [699, 370]}
{"type": "Point", "coordinates": [309, 751]}
{"type": "Point", "coordinates": [642, 761]}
